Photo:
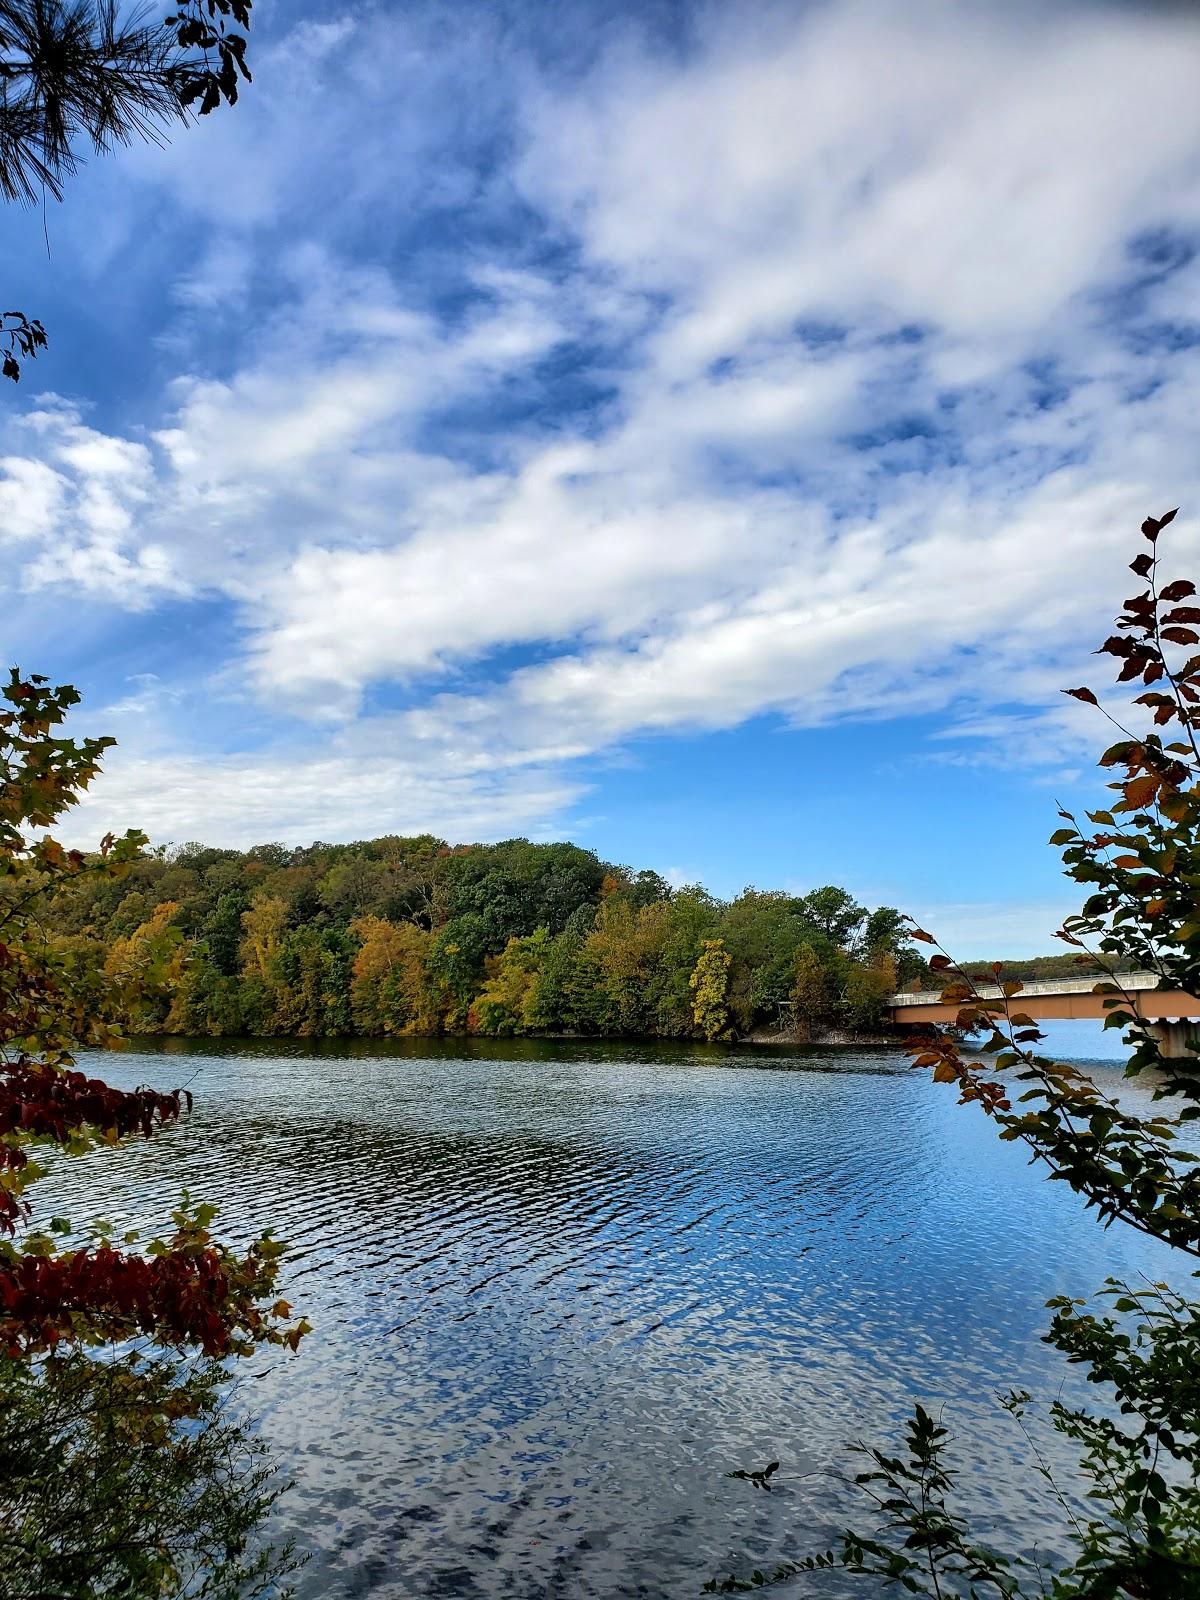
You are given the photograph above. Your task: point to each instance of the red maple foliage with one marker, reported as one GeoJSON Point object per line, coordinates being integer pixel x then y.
{"type": "Point", "coordinates": [41, 1101]}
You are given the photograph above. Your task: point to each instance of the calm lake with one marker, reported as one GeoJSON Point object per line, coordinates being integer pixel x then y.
{"type": "Point", "coordinates": [559, 1290]}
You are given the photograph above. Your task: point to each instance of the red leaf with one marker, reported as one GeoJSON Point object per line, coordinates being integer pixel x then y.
{"type": "Point", "coordinates": [1082, 694]}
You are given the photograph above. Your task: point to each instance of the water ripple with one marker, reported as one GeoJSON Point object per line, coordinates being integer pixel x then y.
{"type": "Point", "coordinates": [560, 1291]}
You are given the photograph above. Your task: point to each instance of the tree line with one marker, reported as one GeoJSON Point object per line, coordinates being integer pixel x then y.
{"type": "Point", "coordinates": [413, 936]}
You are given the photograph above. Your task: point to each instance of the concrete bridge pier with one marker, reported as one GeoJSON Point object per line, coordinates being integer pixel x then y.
{"type": "Point", "coordinates": [1174, 1039]}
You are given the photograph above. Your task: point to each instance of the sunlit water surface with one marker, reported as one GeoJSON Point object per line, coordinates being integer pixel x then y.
{"type": "Point", "coordinates": [559, 1290]}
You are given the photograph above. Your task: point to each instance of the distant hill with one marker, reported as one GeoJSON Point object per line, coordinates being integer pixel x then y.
{"type": "Point", "coordinates": [1030, 967]}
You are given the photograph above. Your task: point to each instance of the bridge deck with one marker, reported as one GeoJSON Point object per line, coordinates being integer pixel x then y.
{"type": "Point", "coordinates": [1053, 998]}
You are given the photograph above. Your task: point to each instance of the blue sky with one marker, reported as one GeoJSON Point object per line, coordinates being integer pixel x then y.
{"type": "Point", "coordinates": [710, 433]}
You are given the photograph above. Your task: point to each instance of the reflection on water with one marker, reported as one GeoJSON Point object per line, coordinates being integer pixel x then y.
{"type": "Point", "coordinates": [560, 1289]}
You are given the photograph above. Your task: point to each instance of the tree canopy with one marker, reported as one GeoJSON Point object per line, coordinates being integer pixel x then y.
{"type": "Point", "coordinates": [398, 936]}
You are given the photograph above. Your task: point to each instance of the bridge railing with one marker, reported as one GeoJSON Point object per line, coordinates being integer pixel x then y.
{"type": "Point", "coordinates": [1132, 981]}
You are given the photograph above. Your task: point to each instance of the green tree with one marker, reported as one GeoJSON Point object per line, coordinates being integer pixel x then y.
{"type": "Point", "coordinates": [867, 989]}
{"type": "Point", "coordinates": [509, 1002]}
{"type": "Point", "coordinates": [710, 986]}
{"type": "Point", "coordinates": [314, 971]}
{"type": "Point", "coordinates": [409, 885]}
{"type": "Point", "coordinates": [515, 887]}
{"type": "Point", "coordinates": [810, 998]}
{"type": "Point", "coordinates": [620, 957]}
{"type": "Point", "coordinates": [353, 888]}
{"type": "Point", "coordinates": [761, 932]}
{"type": "Point", "coordinates": [561, 985]}
{"type": "Point", "coordinates": [206, 1001]}
{"type": "Point", "coordinates": [686, 921]}
{"type": "Point", "coordinates": [454, 962]}
{"type": "Point", "coordinates": [221, 932]}
{"type": "Point", "coordinates": [886, 933]}
{"type": "Point", "coordinates": [646, 888]}
{"type": "Point", "coordinates": [835, 914]}
{"type": "Point", "coordinates": [128, 1479]}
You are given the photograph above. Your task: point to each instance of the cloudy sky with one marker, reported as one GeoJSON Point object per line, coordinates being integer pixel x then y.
{"type": "Point", "coordinates": [712, 434]}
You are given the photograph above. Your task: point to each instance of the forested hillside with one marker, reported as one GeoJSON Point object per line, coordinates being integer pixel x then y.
{"type": "Point", "coordinates": [413, 936]}
{"type": "Point", "coordinates": [1036, 968]}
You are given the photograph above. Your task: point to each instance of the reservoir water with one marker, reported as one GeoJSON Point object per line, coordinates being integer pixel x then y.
{"type": "Point", "coordinates": [560, 1290]}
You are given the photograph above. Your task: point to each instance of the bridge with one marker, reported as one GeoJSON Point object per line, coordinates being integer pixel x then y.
{"type": "Point", "coordinates": [1166, 1012]}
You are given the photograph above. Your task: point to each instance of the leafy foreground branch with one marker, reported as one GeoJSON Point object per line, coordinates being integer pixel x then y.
{"type": "Point", "coordinates": [77, 75]}
{"type": "Point", "coordinates": [128, 1478]}
{"type": "Point", "coordinates": [120, 1474]}
{"type": "Point", "coordinates": [1130, 1519]}
{"type": "Point", "coordinates": [912, 1493]}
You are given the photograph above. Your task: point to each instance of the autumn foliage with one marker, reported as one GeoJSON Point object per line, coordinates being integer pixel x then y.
{"type": "Point", "coordinates": [1140, 860]}
{"type": "Point", "coordinates": [39, 1100]}
{"type": "Point", "coordinates": [409, 937]}
{"type": "Point", "coordinates": [186, 1293]}
{"type": "Point", "coordinates": [189, 1291]}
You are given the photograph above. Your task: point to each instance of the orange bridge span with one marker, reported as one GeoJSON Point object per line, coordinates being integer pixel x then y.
{"type": "Point", "coordinates": [1167, 1012]}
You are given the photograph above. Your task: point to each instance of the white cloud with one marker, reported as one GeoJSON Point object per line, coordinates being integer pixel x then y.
{"type": "Point", "coordinates": [821, 269]}
{"type": "Point", "coordinates": [79, 509]}
{"type": "Point", "coordinates": [351, 790]}
{"type": "Point", "coordinates": [971, 166]}
{"type": "Point", "coordinates": [32, 499]}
